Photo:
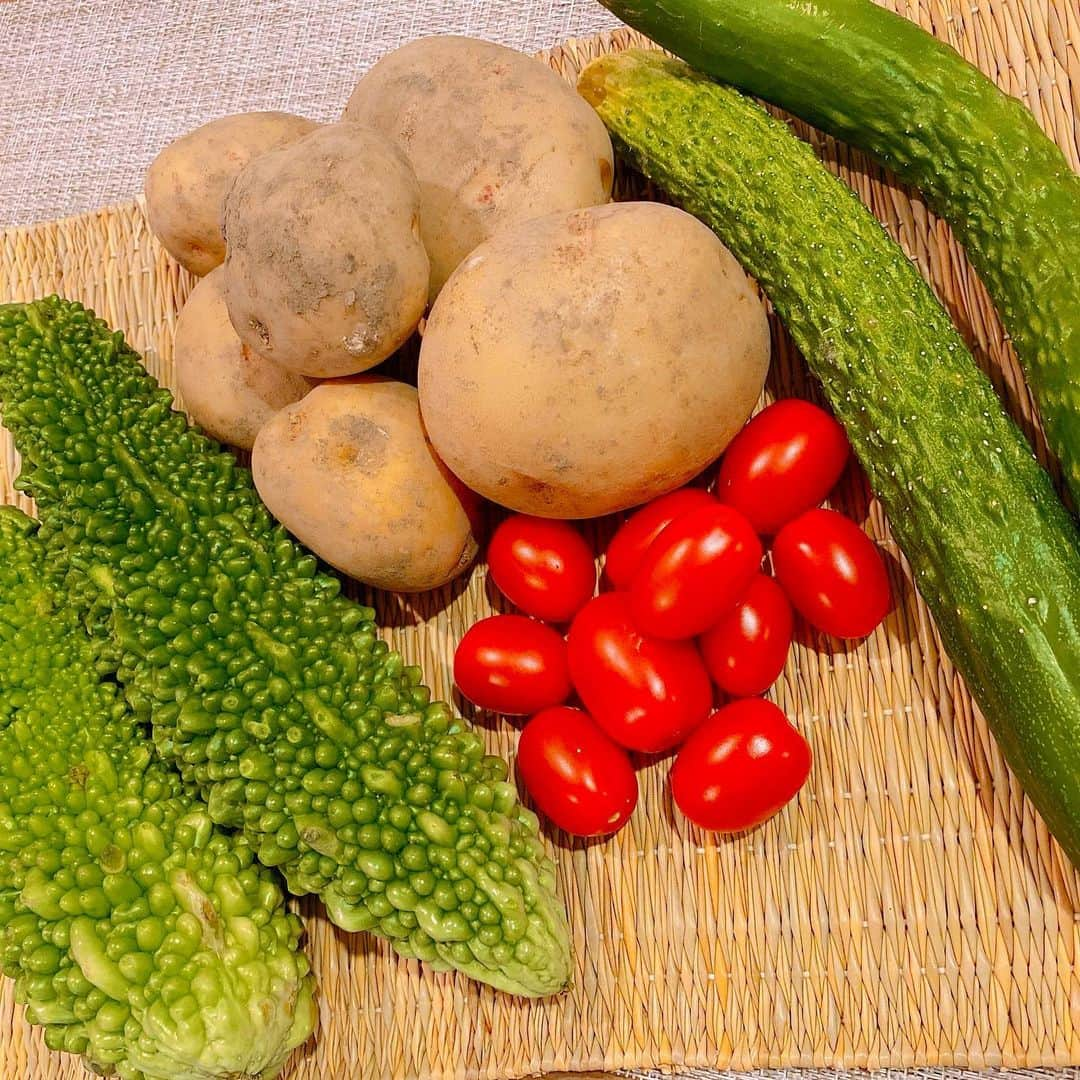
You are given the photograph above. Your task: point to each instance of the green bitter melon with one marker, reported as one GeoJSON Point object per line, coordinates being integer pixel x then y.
{"type": "Point", "coordinates": [269, 690]}
{"type": "Point", "coordinates": [138, 934]}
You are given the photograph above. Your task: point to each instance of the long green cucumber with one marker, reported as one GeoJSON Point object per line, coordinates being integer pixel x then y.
{"type": "Point", "coordinates": [882, 83]}
{"type": "Point", "coordinates": [993, 550]}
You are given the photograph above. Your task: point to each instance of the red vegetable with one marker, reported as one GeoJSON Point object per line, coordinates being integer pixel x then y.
{"type": "Point", "coordinates": [513, 665]}
{"type": "Point", "coordinates": [647, 694]}
{"type": "Point", "coordinates": [833, 573]}
{"type": "Point", "coordinates": [739, 767]}
{"type": "Point", "coordinates": [575, 774]}
{"type": "Point", "coordinates": [747, 649]}
{"type": "Point", "coordinates": [694, 572]}
{"type": "Point", "coordinates": [641, 528]}
{"type": "Point", "coordinates": [786, 460]}
{"type": "Point", "coordinates": [543, 567]}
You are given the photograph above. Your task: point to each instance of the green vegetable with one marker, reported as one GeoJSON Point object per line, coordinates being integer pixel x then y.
{"type": "Point", "coordinates": [882, 83]}
{"type": "Point", "coordinates": [137, 934]}
{"type": "Point", "coordinates": [268, 689]}
{"type": "Point", "coordinates": [993, 551]}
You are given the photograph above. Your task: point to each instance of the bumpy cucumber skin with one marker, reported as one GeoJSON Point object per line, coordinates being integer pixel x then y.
{"type": "Point", "coordinates": [993, 551]}
{"type": "Point", "coordinates": [883, 84]}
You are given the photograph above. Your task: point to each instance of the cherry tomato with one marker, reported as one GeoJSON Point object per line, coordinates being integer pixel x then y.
{"type": "Point", "coordinates": [575, 774]}
{"type": "Point", "coordinates": [543, 567]}
{"type": "Point", "coordinates": [647, 694]}
{"type": "Point", "coordinates": [694, 572]}
{"type": "Point", "coordinates": [641, 528]}
{"type": "Point", "coordinates": [786, 460]}
{"type": "Point", "coordinates": [747, 649]}
{"type": "Point", "coordinates": [833, 573]}
{"type": "Point", "coordinates": [512, 665]}
{"type": "Point", "coordinates": [739, 767]}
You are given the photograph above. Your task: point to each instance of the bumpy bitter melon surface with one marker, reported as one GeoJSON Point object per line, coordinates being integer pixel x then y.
{"type": "Point", "coordinates": [138, 934]}
{"type": "Point", "coordinates": [269, 690]}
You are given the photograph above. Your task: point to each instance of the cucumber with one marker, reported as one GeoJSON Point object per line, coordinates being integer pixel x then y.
{"type": "Point", "coordinates": [883, 84]}
{"type": "Point", "coordinates": [992, 549]}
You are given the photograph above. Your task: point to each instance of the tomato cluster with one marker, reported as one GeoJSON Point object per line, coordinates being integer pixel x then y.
{"type": "Point", "coordinates": [690, 608]}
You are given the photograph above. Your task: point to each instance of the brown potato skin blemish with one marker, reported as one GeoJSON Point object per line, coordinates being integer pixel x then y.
{"type": "Point", "coordinates": [350, 472]}
{"type": "Point", "coordinates": [325, 272]}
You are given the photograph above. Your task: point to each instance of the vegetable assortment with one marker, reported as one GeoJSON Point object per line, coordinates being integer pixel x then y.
{"type": "Point", "coordinates": [578, 359]}
{"type": "Point", "coordinates": [880, 82]}
{"type": "Point", "coordinates": [992, 549]}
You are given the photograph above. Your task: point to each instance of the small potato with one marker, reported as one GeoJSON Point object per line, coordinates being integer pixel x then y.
{"type": "Point", "coordinates": [228, 390]}
{"type": "Point", "coordinates": [187, 182]}
{"type": "Point", "coordinates": [494, 136]}
{"type": "Point", "coordinates": [350, 472]}
{"type": "Point", "coordinates": [588, 361]}
{"type": "Point", "coordinates": [325, 271]}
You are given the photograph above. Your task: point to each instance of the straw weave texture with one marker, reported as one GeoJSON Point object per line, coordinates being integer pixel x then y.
{"type": "Point", "coordinates": [908, 909]}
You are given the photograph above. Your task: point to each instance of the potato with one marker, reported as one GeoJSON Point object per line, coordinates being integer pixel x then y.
{"type": "Point", "coordinates": [494, 136]}
{"type": "Point", "coordinates": [349, 471]}
{"type": "Point", "coordinates": [325, 271]}
{"type": "Point", "coordinates": [187, 182]}
{"type": "Point", "coordinates": [228, 390]}
{"type": "Point", "coordinates": [588, 361]}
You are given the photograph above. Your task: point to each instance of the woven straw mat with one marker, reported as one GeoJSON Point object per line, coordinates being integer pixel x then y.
{"type": "Point", "coordinates": [909, 908]}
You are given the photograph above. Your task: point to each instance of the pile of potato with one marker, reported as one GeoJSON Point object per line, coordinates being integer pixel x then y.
{"type": "Point", "coordinates": [579, 357]}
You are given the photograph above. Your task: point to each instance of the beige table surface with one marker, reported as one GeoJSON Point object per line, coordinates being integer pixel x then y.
{"type": "Point", "coordinates": [90, 90]}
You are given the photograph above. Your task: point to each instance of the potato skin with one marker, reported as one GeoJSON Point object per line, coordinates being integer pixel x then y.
{"type": "Point", "coordinates": [350, 472]}
{"type": "Point", "coordinates": [228, 390]}
{"type": "Point", "coordinates": [495, 137]}
{"type": "Point", "coordinates": [325, 271]}
{"type": "Point", "coordinates": [187, 182]}
{"type": "Point", "coordinates": [589, 361]}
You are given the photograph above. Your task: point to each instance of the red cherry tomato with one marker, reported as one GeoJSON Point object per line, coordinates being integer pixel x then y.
{"type": "Point", "coordinates": [786, 460]}
{"type": "Point", "coordinates": [833, 573]}
{"type": "Point", "coordinates": [694, 572]}
{"type": "Point", "coordinates": [747, 649]}
{"type": "Point", "coordinates": [543, 567]}
{"type": "Point", "coordinates": [739, 767]}
{"type": "Point", "coordinates": [512, 665]}
{"type": "Point", "coordinates": [575, 774]}
{"type": "Point", "coordinates": [629, 544]}
{"type": "Point", "coordinates": [647, 694]}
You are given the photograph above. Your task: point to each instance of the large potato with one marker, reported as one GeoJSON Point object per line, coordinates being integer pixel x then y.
{"type": "Point", "coordinates": [325, 271]}
{"type": "Point", "coordinates": [350, 473]}
{"type": "Point", "coordinates": [187, 182]}
{"type": "Point", "coordinates": [588, 361]}
{"type": "Point", "coordinates": [494, 136]}
{"type": "Point", "coordinates": [227, 389]}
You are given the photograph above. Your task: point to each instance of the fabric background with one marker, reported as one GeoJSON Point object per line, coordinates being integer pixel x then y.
{"type": "Point", "coordinates": [90, 90]}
